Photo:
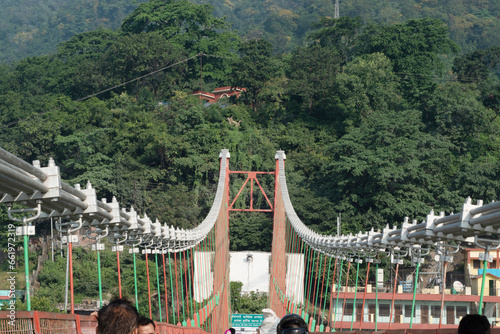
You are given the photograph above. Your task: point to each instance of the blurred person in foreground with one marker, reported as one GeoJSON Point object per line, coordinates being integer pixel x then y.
{"type": "Point", "coordinates": [146, 326]}
{"type": "Point", "coordinates": [474, 324]}
{"type": "Point", "coordinates": [292, 324]}
{"type": "Point", "coordinates": [269, 323]}
{"type": "Point", "coordinates": [118, 317]}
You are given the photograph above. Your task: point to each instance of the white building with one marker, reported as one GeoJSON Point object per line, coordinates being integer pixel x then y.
{"type": "Point", "coordinates": [252, 268]}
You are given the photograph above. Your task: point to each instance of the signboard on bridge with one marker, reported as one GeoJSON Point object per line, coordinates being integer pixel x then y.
{"type": "Point", "coordinates": [246, 321]}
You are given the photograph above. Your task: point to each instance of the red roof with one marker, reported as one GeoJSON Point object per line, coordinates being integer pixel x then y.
{"type": "Point", "coordinates": [218, 93]}
{"type": "Point", "coordinates": [228, 89]}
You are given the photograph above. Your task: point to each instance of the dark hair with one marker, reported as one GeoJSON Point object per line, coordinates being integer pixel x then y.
{"type": "Point", "coordinates": [143, 321]}
{"type": "Point", "coordinates": [232, 330]}
{"type": "Point", "coordinates": [474, 324]}
{"type": "Point", "coordinates": [292, 321]}
{"type": "Point", "coordinates": [119, 316]}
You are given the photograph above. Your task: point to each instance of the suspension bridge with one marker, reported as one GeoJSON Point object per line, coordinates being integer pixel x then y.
{"type": "Point", "coordinates": [310, 274]}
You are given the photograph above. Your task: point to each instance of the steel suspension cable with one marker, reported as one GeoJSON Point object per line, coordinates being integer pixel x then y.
{"type": "Point", "coordinates": [317, 290]}
{"type": "Point", "coordinates": [99, 279]}
{"type": "Point", "coordinates": [186, 272]}
{"type": "Point", "coordinates": [485, 265]}
{"type": "Point", "coordinates": [201, 272]}
{"type": "Point", "coordinates": [70, 251]}
{"type": "Point", "coordinates": [177, 287]}
{"type": "Point", "coordinates": [293, 268]}
{"type": "Point", "coordinates": [205, 278]}
{"type": "Point", "coordinates": [212, 249]}
{"type": "Point", "coordinates": [445, 265]}
{"type": "Point", "coordinates": [174, 307]}
{"type": "Point", "coordinates": [135, 282]}
{"type": "Point", "coordinates": [415, 281]}
{"type": "Point", "coordinates": [364, 296]}
{"type": "Point", "coordinates": [27, 273]}
{"type": "Point", "coordinates": [158, 285]}
{"type": "Point", "coordinates": [321, 327]}
{"type": "Point", "coordinates": [206, 275]}
{"type": "Point", "coordinates": [355, 293]}
{"type": "Point", "coordinates": [329, 318]}
{"type": "Point", "coordinates": [305, 254]}
{"type": "Point", "coordinates": [198, 289]}
{"type": "Point", "coordinates": [338, 295]}
{"type": "Point", "coordinates": [191, 294]}
{"type": "Point", "coordinates": [149, 288]}
{"type": "Point", "coordinates": [394, 294]}
{"type": "Point", "coordinates": [118, 267]}
{"type": "Point", "coordinates": [165, 286]}
{"type": "Point", "coordinates": [309, 283]}
{"type": "Point", "coordinates": [288, 249]}
{"type": "Point", "coordinates": [181, 271]}
{"type": "Point", "coordinates": [345, 295]}
{"type": "Point", "coordinates": [376, 295]}
{"type": "Point", "coordinates": [299, 282]}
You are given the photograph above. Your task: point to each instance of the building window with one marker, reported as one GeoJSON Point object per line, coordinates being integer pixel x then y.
{"type": "Point", "coordinates": [348, 309]}
{"type": "Point", "coordinates": [476, 264]}
{"type": "Point", "coordinates": [461, 311]}
{"type": "Point", "coordinates": [408, 311]}
{"type": "Point", "coordinates": [359, 309]}
{"type": "Point", "coordinates": [436, 311]}
{"type": "Point", "coordinates": [424, 314]}
{"type": "Point", "coordinates": [384, 310]}
{"type": "Point", "coordinates": [492, 288]}
{"type": "Point", "coordinates": [371, 308]}
{"type": "Point", "coordinates": [398, 312]}
{"type": "Point", "coordinates": [450, 315]}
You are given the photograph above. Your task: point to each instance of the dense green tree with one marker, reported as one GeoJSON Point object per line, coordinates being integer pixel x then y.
{"type": "Point", "coordinates": [251, 303]}
{"type": "Point", "coordinates": [367, 85]}
{"type": "Point", "coordinates": [136, 55]}
{"type": "Point", "coordinates": [191, 27]}
{"type": "Point", "coordinates": [253, 69]}
{"type": "Point", "coordinates": [312, 74]}
{"type": "Point", "coordinates": [413, 48]}
{"type": "Point", "coordinates": [479, 179]}
{"type": "Point", "coordinates": [386, 169]}
{"type": "Point", "coordinates": [339, 34]}
{"type": "Point", "coordinates": [457, 113]}
{"type": "Point", "coordinates": [478, 65]}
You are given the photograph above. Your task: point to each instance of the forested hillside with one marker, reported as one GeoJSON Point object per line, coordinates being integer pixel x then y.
{"type": "Point", "coordinates": [473, 24]}
{"type": "Point", "coordinates": [32, 28]}
{"type": "Point", "coordinates": [378, 121]}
